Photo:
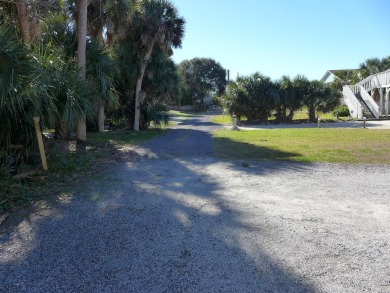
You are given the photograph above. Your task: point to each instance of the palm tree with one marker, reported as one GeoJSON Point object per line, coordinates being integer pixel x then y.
{"type": "Point", "coordinates": [154, 23]}
{"type": "Point", "coordinates": [16, 74]}
{"type": "Point", "coordinates": [29, 15]}
{"type": "Point", "coordinates": [109, 16]}
{"type": "Point", "coordinates": [160, 84]}
{"type": "Point", "coordinates": [107, 19]}
{"type": "Point", "coordinates": [345, 77]}
{"type": "Point", "coordinates": [374, 65]}
{"type": "Point", "coordinates": [254, 97]}
{"type": "Point", "coordinates": [289, 101]}
{"type": "Point", "coordinates": [320, 98]}
{"type": "Point", "coordinates": [100, 73]}
{"type": "Point", "coordinates": [22, 93]}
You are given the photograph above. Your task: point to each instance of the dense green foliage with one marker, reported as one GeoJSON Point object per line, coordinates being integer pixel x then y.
{"type": "Point", "coordinates": [256, 97]}
{"type": "Point", "coordinates": [39, 75]}
{"type": "Point", "coordinates": [199, 78]}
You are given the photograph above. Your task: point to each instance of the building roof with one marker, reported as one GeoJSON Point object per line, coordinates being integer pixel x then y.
{"type": "Point", "coordinates": [334, 72]}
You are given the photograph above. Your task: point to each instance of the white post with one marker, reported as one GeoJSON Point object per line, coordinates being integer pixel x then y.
{"type": "Point", "coordinates": [235, 127]}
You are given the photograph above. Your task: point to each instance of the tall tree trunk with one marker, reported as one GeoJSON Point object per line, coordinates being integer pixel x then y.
{"type": "Point", "coordinates": [23, 21]}
{"type": "Point", "coordinates": [102, 116]}
{"type": "Point", "coordinates": [101, 119]}
{"type": "Point", "coordinates": [138, 87]}
{"type": "Point", "coordinates": [81, 58]}
{"type": "Point", "coordinates": [312, 113]}
{"type": "Point", "coordinates": [28, 22]}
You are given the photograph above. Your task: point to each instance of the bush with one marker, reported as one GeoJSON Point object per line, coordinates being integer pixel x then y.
{"type": "Point", "coordinates": [341, 111]}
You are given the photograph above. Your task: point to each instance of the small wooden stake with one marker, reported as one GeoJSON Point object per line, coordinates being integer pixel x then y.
{"type": "Point", "coordinates": [40, 143]}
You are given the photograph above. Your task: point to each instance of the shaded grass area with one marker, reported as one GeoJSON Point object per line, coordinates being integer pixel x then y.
{"type": "Point", "coordinates": [182, 114]}
{"type": "Point", "coordinates": [22, 184]}
{"type": "Point", "coordinates": [306, 145]}
{"type": "Point", "coordinates": [299, 117]}
{"type": "Point", "coordinates": [124, 138]}
{"type": "Point", "coordinates": [222, 119]}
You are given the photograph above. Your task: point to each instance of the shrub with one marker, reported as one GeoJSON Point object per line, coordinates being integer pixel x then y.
{"type": "Point", "coordinates": [341, 111]}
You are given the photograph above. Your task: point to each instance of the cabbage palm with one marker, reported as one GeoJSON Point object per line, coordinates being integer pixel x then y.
{"type": "Point", "coordinates": [72, 95]}
{"type": "Point", "coordinates": [109, 16]}
{"type": "Point", "coordinates": [262, 96]}
{"type": "Point", "coordinates": [16, 74]}
{"type": "Point", "coordinates": [22, 92]}
{"type": "Point", "coordinates": [28, 15]}
{"type": "Point", "coordinates": [320, 98]}
{"type": "Point", "coordinates": [100, 72]}
{"type": "Point", "coordinates": [289, 102]}
{"type": "Point", "coordinates": [160, 83]}
{"type": "Point", "coordinates": [155, 23]}
{"type": "Point", "coordinates": [254, 97]}
{"type": "Point", "coordinates": [374, 65]}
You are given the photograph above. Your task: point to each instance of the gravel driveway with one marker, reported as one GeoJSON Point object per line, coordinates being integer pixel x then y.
{"type": "Point", "coordinates": [178, 219]}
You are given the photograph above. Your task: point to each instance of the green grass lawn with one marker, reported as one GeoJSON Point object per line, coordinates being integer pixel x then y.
{"type": "Point", "coordinates": [306, 145]}
{"type": "Point", "coordinates": [222, 119]}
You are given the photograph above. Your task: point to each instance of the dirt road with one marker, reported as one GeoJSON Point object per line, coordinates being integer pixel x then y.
{"type": "Point", "coordinates": [180, 220]}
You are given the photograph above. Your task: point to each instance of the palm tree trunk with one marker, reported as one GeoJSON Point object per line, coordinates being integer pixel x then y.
{"type": "Point", "coordinates": [312, 113]}
{"type": "Point", "coordinates": [102, 116]}
{"type": "Point", "coordinates": [28, 22]}
{"type": "Point", "coordinates": [81, 58]}
{"type": "Point", "coordinates": [101, 119]}
{"type": "Point", "coordinates": [23, 21]}
{"type": "Point", "coordinates": [139, 86]}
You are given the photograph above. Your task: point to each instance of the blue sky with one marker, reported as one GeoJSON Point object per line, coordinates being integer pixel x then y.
{"type": "Point", "coordinates": [285, 37]}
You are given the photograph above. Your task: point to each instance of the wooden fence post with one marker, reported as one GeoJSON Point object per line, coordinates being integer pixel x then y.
{"type": "Point", "coordinates": [40, 143]}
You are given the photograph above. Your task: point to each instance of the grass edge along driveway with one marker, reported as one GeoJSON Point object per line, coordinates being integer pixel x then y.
{"type": "Point", "coordinates": [366, 146]}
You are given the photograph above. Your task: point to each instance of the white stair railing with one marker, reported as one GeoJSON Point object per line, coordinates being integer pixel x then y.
{"type": "Point", "coordinates": [375, 80]}
{"type": "Point", "coordinates": [384, 77]}
{"type": "Point", "coordinates": [354, 106]}
{"type": "Point", "coordinates": [378, 80]}
{"type": "Point", "coordinates": [371, 104]}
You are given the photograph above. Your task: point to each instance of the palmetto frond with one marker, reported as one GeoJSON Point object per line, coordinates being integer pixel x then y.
{"type": "Point", "coordinates": [101, 72]}
{"type": "Point", "coordinates": [59, 31]}
{"type": "Point", "coordinates": [16, 75]}
{"type": "Point", "coordinates": [158, 21]}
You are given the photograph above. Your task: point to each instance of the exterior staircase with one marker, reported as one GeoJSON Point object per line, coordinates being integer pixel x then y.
{"type": "Point", "coordinates": [366, 110]}
{"type": "Point", "coordinates": [359, 97]}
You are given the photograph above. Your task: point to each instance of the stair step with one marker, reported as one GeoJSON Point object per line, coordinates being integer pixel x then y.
{"type": "Point", "coordinates": [366, 111]}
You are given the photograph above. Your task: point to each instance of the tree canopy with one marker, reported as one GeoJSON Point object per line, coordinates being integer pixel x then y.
{"type": "Point", "coordinates": [201, 77]}
{"type": "Point", "coordinates": [50, 69]}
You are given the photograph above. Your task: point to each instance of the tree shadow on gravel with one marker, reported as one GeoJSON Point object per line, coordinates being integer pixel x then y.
{"type": "Point", "coordinates": [170, 224]}
{"type": "Point", "coordinates": [226, 148]}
